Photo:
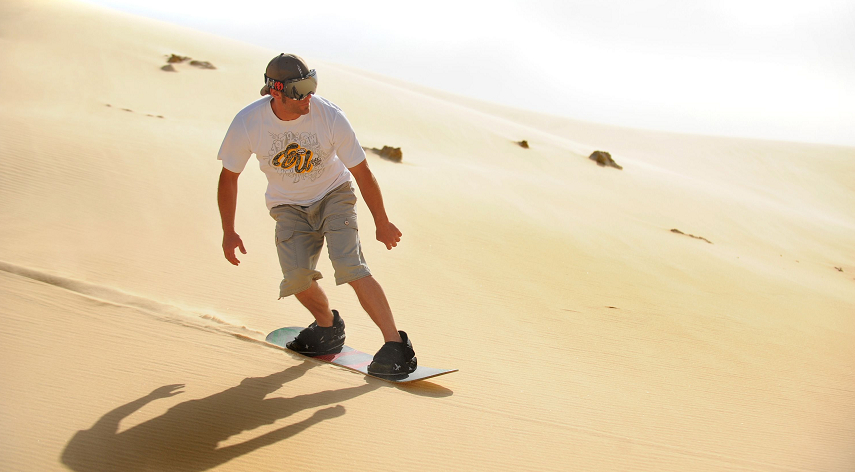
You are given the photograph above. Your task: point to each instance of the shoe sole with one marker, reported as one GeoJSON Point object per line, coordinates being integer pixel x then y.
{"type": "Point", "coordinates": [332, 350]}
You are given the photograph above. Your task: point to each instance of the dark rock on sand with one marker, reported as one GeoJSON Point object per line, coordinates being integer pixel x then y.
{"type": "Point", "coordinates": [523, 144]}
{"type": "Point", "coordinates": [604, 159]}
{"type": "Point", "coordinates": [175, 59]}
{"type": "Point", "coordinates": [390, 153]}
{"type": "Point", "coordinates": [202, 64]}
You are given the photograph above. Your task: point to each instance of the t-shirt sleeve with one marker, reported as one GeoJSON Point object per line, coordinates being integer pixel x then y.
{"type": "Point", "coordinates": [235, 150]}
{"type": "Point", "coordinates": [347, 147]}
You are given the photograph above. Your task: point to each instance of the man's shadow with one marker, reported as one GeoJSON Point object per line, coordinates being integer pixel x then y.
{"type": "Point", "coordinates": [186, 437]}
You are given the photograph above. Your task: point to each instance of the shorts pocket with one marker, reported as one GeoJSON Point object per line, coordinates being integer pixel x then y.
{"type": "Point", "coordinates": [338, 223]}
{"type": "Point", "coordinates": [342, 235]}
{"type": "Point", "coordinates": [283, 234]}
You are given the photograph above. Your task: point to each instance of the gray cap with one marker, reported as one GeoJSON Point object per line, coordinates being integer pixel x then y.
{"type": "Point", "coordinates": [284, 67]}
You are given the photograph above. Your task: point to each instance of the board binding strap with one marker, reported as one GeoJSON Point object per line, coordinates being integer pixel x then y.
{"type": "Point", "coordinates": [353, 359]}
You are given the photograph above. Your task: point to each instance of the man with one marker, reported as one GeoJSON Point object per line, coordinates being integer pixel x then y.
{"type": "Point", "coordinates": [308, 151]}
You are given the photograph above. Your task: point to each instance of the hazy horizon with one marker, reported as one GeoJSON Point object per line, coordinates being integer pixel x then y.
{"type": "Point", "coordinates": [750, 68]}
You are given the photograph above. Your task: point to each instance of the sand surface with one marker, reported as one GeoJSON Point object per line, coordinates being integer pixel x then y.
{"type": "Point", "coordinates": [588, 335]}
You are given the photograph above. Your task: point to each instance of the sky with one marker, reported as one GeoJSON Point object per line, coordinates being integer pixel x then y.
{"type": "Point", "coordinates": [781, 69]}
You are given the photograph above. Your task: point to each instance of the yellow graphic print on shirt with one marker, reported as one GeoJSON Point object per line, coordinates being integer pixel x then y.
{"type": "Point", "coordinates": [295, 156]}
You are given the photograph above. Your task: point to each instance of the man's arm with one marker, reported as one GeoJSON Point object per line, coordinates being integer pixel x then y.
{"type": "Point", "coordinates": [227, 199]}
{"type": "Point", "coordinates": [387, 233]}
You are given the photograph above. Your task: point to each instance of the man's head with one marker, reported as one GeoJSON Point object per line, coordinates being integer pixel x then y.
{"type": "Point", "coordinates": [289, 75]}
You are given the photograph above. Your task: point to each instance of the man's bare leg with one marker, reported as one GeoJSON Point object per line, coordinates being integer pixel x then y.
{"type": "Point", "coordinates": [316, 301]}
{"type": "Point", "coordinates": [374, 302]}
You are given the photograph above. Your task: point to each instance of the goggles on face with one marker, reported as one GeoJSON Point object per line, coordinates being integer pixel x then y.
{"type": "Point", "coordinates": [295, 89]}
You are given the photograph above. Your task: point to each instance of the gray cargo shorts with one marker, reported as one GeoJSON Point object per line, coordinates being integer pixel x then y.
{"type": "Point", "coordinates": [300, 234]}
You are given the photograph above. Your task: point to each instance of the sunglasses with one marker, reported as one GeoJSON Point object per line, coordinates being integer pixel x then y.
{"type": "Point", "coordinates": [295, 89]}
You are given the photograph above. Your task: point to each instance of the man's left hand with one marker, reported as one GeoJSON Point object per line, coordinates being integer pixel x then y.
{"type": "Point", "coordinates": [389, 235]}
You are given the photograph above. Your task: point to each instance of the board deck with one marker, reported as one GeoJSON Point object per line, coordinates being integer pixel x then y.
{"type": "Point", "coordinates": [350, 358]}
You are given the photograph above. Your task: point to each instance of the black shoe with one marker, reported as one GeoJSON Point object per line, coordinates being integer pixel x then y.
{"type": "Point", "coordinates": [317, 341]}
{"type": "Point", "coordinates": [394, 359]}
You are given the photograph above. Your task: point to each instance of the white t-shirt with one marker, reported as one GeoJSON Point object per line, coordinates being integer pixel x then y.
{"type": "Point", "coordinates": [303, 159]}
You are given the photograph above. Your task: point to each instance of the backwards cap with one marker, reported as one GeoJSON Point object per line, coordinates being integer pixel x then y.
{"type": "Point", "coordinates": [283, 68]}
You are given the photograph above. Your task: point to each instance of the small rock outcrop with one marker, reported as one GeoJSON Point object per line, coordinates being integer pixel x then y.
{"type": "Point", "coordinates": [523, 144]}
{"type": "Point", "coordinates": [389, 153]}
{"type": "Point", "coordinates": [604, 159]}
{"type": "Point", "coordinates": [176, 59]}
{"type": "Point", "coordinates": [202, 64]}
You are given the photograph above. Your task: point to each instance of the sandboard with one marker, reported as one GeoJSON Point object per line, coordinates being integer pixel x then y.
{"type": "Point", "coordinates": [350, 358]}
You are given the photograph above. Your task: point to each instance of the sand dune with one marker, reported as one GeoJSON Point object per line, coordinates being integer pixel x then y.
{"type": "Point", "coordinates": [588, 335]}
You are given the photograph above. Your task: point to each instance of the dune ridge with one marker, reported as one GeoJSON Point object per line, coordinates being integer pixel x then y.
{"type": "Point", "coordinates": [163, 311]}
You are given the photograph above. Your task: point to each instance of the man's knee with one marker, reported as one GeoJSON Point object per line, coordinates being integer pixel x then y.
{"type": "Point", "coordinates": [361, 280]}
{"type": "Point", "coordinates": [297, 281]}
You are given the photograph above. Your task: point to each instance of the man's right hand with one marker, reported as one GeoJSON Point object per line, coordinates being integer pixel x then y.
{"type": "Point", "coordinates": [230, 242]}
